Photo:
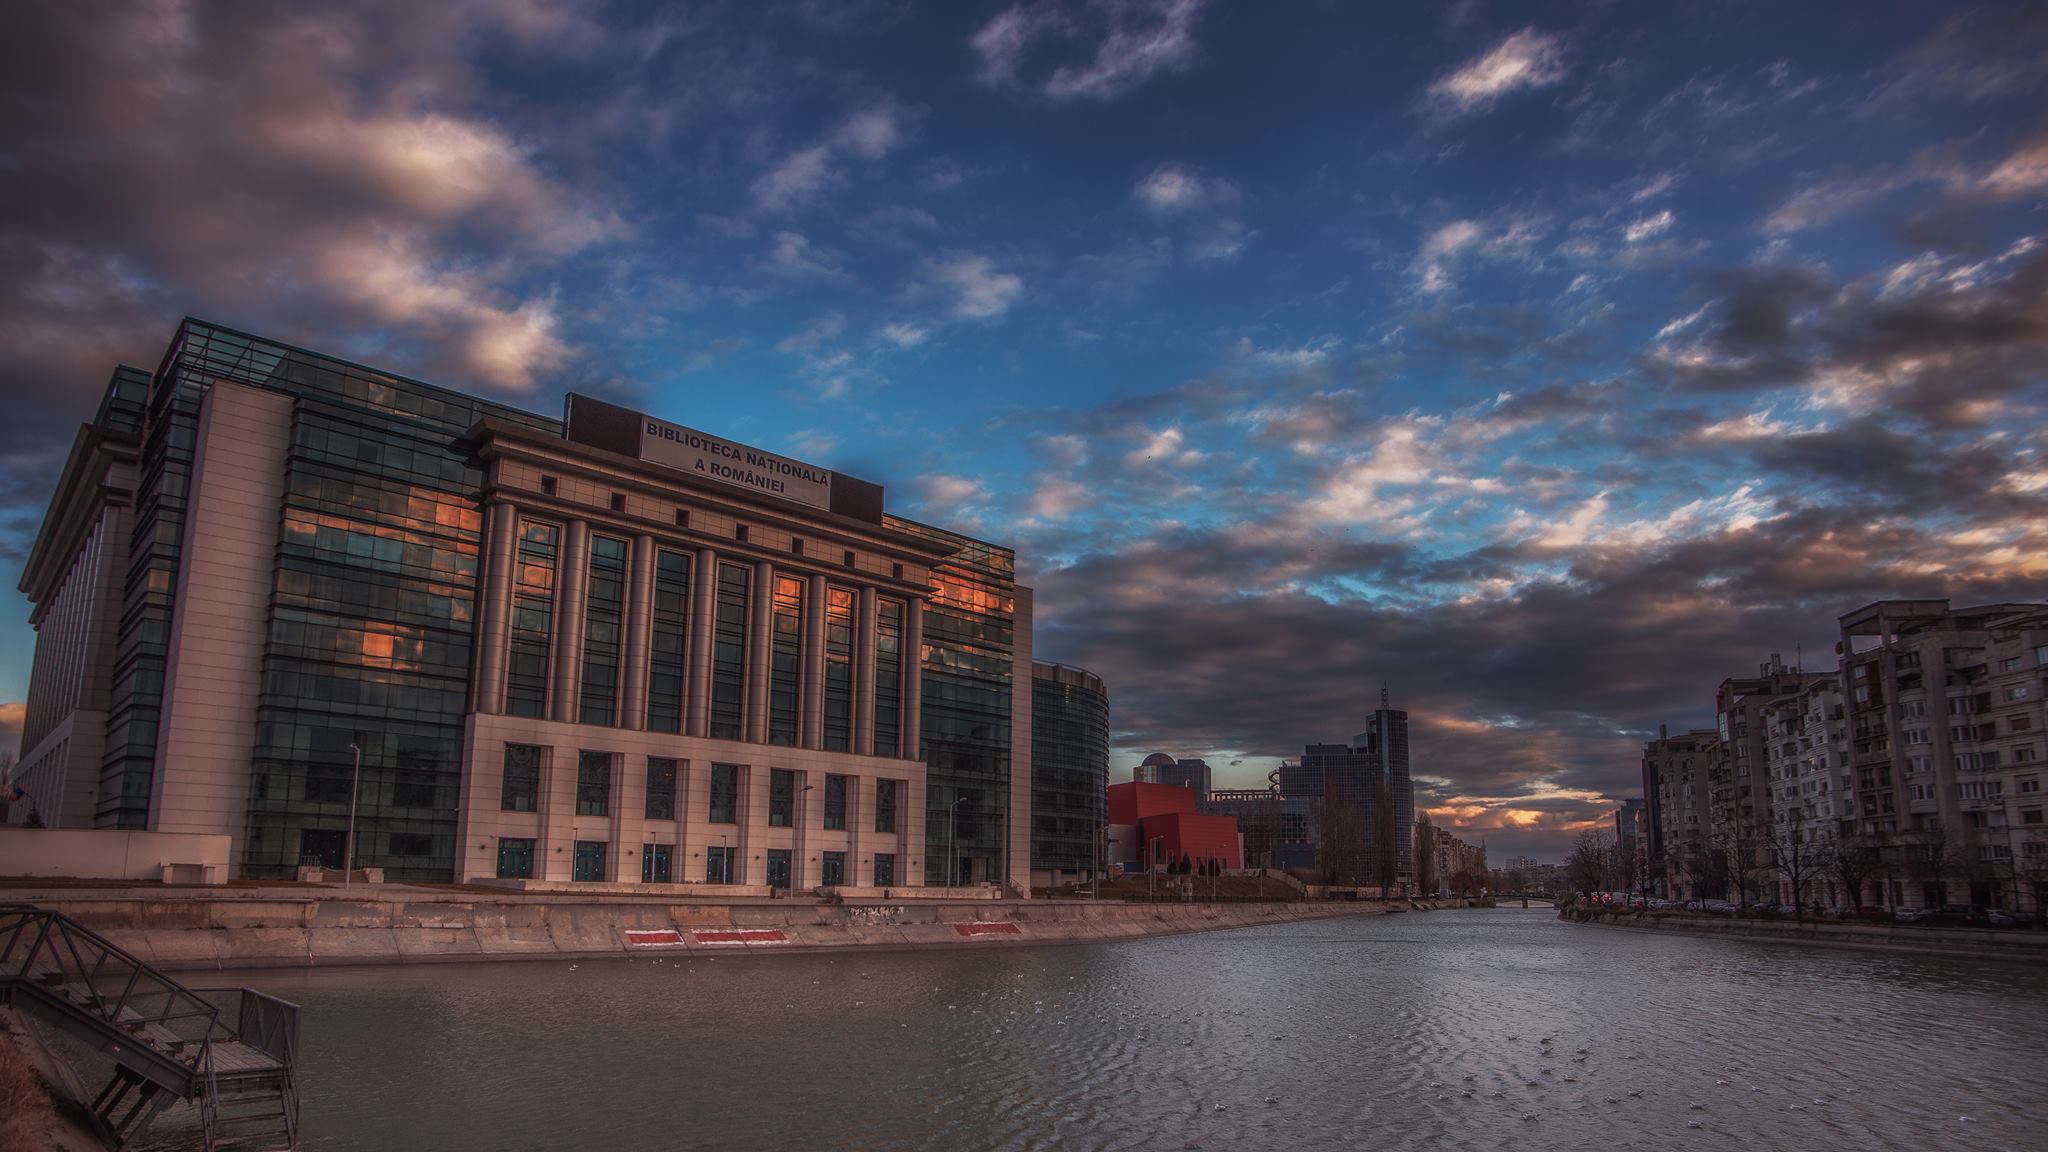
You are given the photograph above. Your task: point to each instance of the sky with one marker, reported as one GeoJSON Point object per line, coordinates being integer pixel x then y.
{"type": "Point", "coordinates": [1543, 363]}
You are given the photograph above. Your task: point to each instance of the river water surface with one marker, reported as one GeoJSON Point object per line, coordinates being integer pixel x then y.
{"type": "Point", "coordinates": [1457, 1029]}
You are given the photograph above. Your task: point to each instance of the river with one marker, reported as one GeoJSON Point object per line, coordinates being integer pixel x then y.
{"type": "Point", "coordinates": [1491, 1029]}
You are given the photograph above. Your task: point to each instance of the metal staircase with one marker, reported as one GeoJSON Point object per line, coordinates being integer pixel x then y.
{"type": "Point", "coordinates": [233, 1052]}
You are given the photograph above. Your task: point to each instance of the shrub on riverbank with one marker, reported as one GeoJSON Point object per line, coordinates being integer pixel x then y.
{"type": "Point", "coordinates": [27, 1118]}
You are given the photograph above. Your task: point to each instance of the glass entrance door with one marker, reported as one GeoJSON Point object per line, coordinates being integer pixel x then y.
{"type": "Point", "coordinates": [778, 867]}
{"type": "Point", "coordinates": [718, 866]}
{"type": "Point", "coordinates": [322, 846]}
{"type": "Point", "coordinates": [654, 864]}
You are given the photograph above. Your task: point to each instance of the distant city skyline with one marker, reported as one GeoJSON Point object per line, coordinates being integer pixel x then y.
{"type": "Point", "coordinates": [1550, 363]}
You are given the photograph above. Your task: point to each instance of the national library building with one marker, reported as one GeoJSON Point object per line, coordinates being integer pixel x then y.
{"type": "Point", "coordinates": [605, 649]}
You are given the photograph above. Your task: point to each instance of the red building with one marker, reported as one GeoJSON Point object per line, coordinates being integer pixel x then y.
{"type": "Point", "coordinates": [1162, 818]}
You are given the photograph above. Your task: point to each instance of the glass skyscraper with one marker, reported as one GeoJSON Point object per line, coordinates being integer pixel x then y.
{"type": "Point", "coordinates": [1069, 772]}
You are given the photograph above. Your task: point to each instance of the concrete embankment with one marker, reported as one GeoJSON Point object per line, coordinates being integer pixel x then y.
{"type": "Point", "coordinates": [188, 929]}
{"type": "Point", "coordinates": [2005, 944]}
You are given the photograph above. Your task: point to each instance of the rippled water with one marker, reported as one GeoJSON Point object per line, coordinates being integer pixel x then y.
{"type": "Point", "coordinates": [1423, 1030]}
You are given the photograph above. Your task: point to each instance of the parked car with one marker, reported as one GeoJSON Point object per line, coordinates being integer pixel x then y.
{"type": "Point", "coordinates": [1719, 908]}
{"type": "Point", "coordinates": [1909, 915]}
{"type": "Point", "coordinates": [1961, 916]}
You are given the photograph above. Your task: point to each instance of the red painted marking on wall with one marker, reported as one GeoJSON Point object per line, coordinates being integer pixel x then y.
{"type": "Point", "coordinates": [657, 938]}
{"type": "Point", "coordinates": [740, 936]}
{"type": "Point", "coordinates": [988, 928]}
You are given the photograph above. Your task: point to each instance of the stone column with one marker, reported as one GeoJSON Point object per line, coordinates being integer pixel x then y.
{"type": "Point", "coordinates": [913, 680]}
{"type": "Point", "coordinates": [494, 608]}
{"type": "Point", "coordinates": [760, 633]}
{"type": "Point", "coordinates": [864, 673]}
{"type": "Point", "coordinates": [811, 717]}
{"type": "Point", "coordinates": [639, 614]}
{"type": "Point", "coordinates": [703, 609]}
{"type": "Point", "coordinates": [572, 575]}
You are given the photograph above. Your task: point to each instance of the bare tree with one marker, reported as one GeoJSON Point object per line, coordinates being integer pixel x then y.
{"type": "Point", "coordinates": [1586, 868]}
{"type": "Point", "coordinates": [1340, 840]}
{"type": "Point", "coordinates": [1854, 859]}
{"type": "Point", "coordinates": [1743, 861]}
{"type": "Point", "coordinates": [1795, 856]}
{"type": "Point", "coordinates": [1386, 849]}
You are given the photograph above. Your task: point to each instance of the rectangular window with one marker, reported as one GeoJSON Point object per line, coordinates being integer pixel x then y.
{"type": "Point", "coordinates": [411, 844]}
{"type": "Point", "coordinates": [661, 788]}
{"type": "Point", "coordinates": [604, 609]}
{"type": "Point", "coordinates": [589, 861]}
{"type": "Point", "coordinates": [786, 660]}
{"type": "Point", "coordinates": [718, 866]}
{"type": "Point", "coordinates": [885, 805]}
{"type": "Point", "coordinates": [593, 783]}
{"type": "Point", "coordinates": [725, 793]}
{"type": "Point", "coordinates": [833, 872]}
{"type": "Point", "coordinates": [778, 868]}
{"type": "Point", "coordinates": [521, 789]}
{"type": "Point", "coordinates": [656, 866]}
{"type": "Point", "coordinates": [1971, 789]}
{"type": "Point", "coordinates": [889, 678]}
{"type": "Point", "coordinates": [415, 790]}
{"type": "Point", "coordinates": [2016, 692]}
{"type": "Point", "coordinates": [1916, 736]}
{"type": "Point", "coordinates": [2030, 815]}
{"type": "Point", "coordinates": [2010, 664]}
{"type": "Point", "coordinates": [781, 797]}
{"type": "Point", "coordinates": [729, 653]}
{"type": "Point", "coordinates": [835, 802]}
{"type": "Point", "coordinates": [885, 869]}
{"type": "Point", "coordinates": [515, 858]}
{"type": "Point", "coordinates": [668, 643]}
{"type": "Point", "coordinates": [2041, 656]}
{"type": "Point", "coordinates": [838, 734]}
{"type": "Point", "coordinates": [533, 612]}
{"type": "Point", "coordinates": [2020, 722]}
{"type": "Point", "coordinates": [2030, 784]}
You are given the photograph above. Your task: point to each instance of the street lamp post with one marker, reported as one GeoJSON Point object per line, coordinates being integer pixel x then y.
{"type": "Point", "coordinates": [953, 839]}
{"type": "Point", "coordinates": [1152, 867]}
{"type": "Point", "coordinates": [348, 858]}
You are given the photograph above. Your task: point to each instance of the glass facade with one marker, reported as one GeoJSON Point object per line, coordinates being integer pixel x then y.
{"type": "Point", "coordinates": [781, 798]}
{"type": "Point", "coordinates": [669, 646]}
{"type": "Point", "coordinates": [839, 626]}
{"type": "Point", "coordinates": [885, 805]}
{"type": "Point", "coordinates": [888, 677]}
{"type": "Point", "coordinates": [593, 783]}
{"type": "Point", "coordinates": [604, 613]}
{"type": "Point", "coordinates": [368, 634]}
{"type": "Point", "coordinates": [520, 791]}
{"type": "Point", "coordinates": [661, 788]}
{"type": "Point", "coordinates": [533, 619]}
{"type": "Point", "coordinates": [729, 653]}
{"type": "Point", "coordinates": [786, 660]}
{"type": "Point", "coordinates": [725, 793]}
{"type": "Point", "coordinates": [969, 637]}
{"type": "Point", "coordinates": [1069, 772]}
{"type": "Point", "coordinates": [835, 802]}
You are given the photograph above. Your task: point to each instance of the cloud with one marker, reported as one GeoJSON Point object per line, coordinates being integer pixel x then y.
{"type": "Point", "coordinates": [943, 493]}
{"type": "Point", "coordinates": [1649, 226]}
{"type": "Point", "coordinates": [1527, 59]}
{"type": "Point", "coordinates": [387, 205]}
{"type": "Point", "coordinates": [803, 176]}
{"type": "Point", "coordinates": [793, 255]}
{"type": "Point", "coordinates": [1199, 206]}
{"type": "Point", "coordinates": [1508, 238]}
{"type": "Point", "coordinates": [977, 290]}
{"type": "Point", "coordinates": [904, 335]}
{"type": "Point", "coordinates": [1133, 41]}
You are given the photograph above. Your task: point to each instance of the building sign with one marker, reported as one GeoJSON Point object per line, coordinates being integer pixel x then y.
{"type": "Point", "coordinates": [688, 450]}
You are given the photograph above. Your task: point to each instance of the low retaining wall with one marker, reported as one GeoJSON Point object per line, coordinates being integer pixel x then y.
{"type": "Point", "coordinates": [186, 933]}
{"type": "Point", "coordinates": [2013, 944]}
{"type": "Point", "coordinates": [112, 854]}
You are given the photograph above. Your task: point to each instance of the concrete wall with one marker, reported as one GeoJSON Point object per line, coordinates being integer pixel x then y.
{"type": "Point", "coordinates": [106, 854]}
{"type": "Point", "coordinates": [239, 931]}
{"type": "Point", "coordinates": [222, 618]}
